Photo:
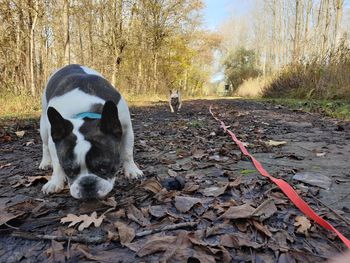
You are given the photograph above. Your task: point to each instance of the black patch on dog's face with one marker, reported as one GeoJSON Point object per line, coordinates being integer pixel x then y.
{"type": "Point", "coordinates": [103, 158]}
{"type": "Point", "coordinates": [66, 157]}
{"type": "Point", "coordinates": [65, 141]}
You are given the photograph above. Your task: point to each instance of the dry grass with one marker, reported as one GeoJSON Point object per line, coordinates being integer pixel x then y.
{"type": "Point", "coordinates": [325, 77]}
{"type": "Point", "coordinates": [25, 106]}
{"type": "Point", "coordinates": [253, 88]}
{"type": "Point", "coordinates": [21, 106]}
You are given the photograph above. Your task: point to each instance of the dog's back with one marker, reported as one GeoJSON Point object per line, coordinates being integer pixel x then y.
{"type": "Point", "coordinates": [86, 80]}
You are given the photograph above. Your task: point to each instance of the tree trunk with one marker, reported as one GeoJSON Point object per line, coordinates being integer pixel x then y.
{"type": "Point", "coordinates": [66, 32]}
{"type": "Point", "coordinates": [32, 54]}
{"type": "Point", "coordinates": [338, 16]}
{"type": "Point", "coordinates": [296, 43]}
{"type": "Point", "coordinates": [325, 32]}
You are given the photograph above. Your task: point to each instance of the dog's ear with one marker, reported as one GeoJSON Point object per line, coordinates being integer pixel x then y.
{"type": "Point", "coordinates": [110, 123]}
{"type": "Point", "coordinates": [60, 127]}
{"type": "Point", "coordinates": [177, 91]}
{"type": "Point", "coordinates": [170, 91]}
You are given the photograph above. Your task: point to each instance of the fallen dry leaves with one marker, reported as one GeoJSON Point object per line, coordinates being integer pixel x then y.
{"type": "Point", "coordinates": [214, 190]}
{"type": "Point", "coordinates": [185, 203]}
{"type": "Point", "coordinates": [275, 143]}
{"type": "Point", "coordinates": [200, 202]}
{"type": "Point", "coordinates": [126, 233]}
{"type": "Point", "coordinates": [84, 221]}
{"type": "Point", "coordinates": [241, 211]}
{"type": "Point", "coordinates": [303, 224]}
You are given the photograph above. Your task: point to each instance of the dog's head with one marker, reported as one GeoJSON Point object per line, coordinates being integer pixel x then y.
{"type": "Point", "coordinates": [174, 94]}
{"type": "Point", "coordinates": [88, 150]}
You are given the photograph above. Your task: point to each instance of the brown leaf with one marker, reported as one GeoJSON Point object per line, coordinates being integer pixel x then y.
{"type": "Point", "coordinates": [275, 143]}
{"type": "Point", "coordinates": [198, 154]}
{"type": "Point", "coordinates": [84, 220]}
{"type": "Point", "coordinates": [20, 134]}
{"type": "Point", "coordinates": [126, 233]}
{"type": "Point", "coordinates": [190, 188]}
{"type": "Point", "coordinates": [214, 190]}
{"type": "Point", "coordinates": [180, 244]}
{"type": "Point", "coordinates": [137, 216]}
{"type": "Point", "coordinates": [158, 210]}
{"type": "Point", "coordinates": [279, 241]}
{"type": "Point", "coordinates": [241, 211]}
{"type": "Point", "coordinates": [303, 224]}
{"type": "Point", "coordinates": [112, 236]}
{"type": "Point", "coordinates": [152, 185]}
{"type": "Point", "coordinates": [226, 257]}
{"type": "Point", "coordinates": [265, 210]}
{"type": "Point", "coordinates": [210, 215]}
{"type": "Point", "coordinates": [152, 245]}
{"type": "Point", "coordinates": [185, 203]}
{"type": "Point", "coordinates": [236, 182]}
{"type": "Point", "coordinates": [286, 258]}
{"type": "Point", "coordinates": [104, 256]}
{"type": "Point", "coordinates": [30, 180]}
{"type": "Point", "coordinates": [5, 215]}
{"type": "Point", "coordinates": [56, 252]}
{"type": "Point", "coordinates": [120, 213]}
{"type": "Point", "coordinates": [238, 240]}
{"type": "Point", "coordinates": [110, 201]}
{"type": "Point", "coordinates": [261, 228]}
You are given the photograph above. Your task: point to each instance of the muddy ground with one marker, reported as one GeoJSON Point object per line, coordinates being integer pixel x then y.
{"type": "Point", "coordinates": [200, 200]}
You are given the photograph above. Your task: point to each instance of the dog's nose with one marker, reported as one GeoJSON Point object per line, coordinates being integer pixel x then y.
{"type": "Point", "coordinates": [88, 184]}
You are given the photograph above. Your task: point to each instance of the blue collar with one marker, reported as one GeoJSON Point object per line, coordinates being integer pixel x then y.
{"type": "Point", "coordinates": [90, 115]}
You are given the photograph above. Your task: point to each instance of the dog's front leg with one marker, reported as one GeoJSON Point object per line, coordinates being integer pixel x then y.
{"type": "Point", "coordinates": [56, 183]}
{"type": "Point", "coordinates": [178, 109]}
{"type": "Point", "coordinates": [171, 107]}
{"type": "Point", "coordinates": [126, 152]}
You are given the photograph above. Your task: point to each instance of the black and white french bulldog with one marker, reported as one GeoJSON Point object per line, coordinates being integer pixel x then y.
{"type": "Point", "coordinates": [87, 133]}
{"type": "Point", "coordinates": [175, 101]}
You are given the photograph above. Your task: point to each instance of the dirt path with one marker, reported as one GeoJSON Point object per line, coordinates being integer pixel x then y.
{"type": "Point", "coordinates": [212, 198]}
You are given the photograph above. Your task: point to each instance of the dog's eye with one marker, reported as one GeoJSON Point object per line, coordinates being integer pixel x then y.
{"type": "Point", "coordinates": [103, 170]}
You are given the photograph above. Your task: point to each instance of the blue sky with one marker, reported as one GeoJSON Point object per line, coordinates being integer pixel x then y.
{"type": "Point", "coordinates": [217, 11]}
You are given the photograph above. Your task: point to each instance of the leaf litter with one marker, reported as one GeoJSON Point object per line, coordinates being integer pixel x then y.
{"type": "Point", "coordinates": [199, 202]}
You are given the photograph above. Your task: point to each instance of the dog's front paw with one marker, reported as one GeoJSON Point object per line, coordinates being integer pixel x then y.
{"type": "Point", "coordinates": [45, 164]}
{"type": "Point", "coordinates": [53, 186]}
{"type": "Point", "coordinates": [131, 171]}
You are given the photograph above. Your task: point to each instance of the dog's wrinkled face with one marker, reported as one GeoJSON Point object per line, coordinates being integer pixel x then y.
{"type": "Point", "coordinates": [174, 98]}
{"type": "Point", "coordinates": [174, 94]}
{"type": "Point", "coordinates": [88, 151]}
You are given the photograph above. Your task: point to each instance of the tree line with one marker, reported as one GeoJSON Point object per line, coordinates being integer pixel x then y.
{"type": "Point", "coordinates": [285, 33]}
{"type": "Point", "coordinates": [141, 46]}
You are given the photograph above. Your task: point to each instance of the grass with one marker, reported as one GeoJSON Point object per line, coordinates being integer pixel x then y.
{"type": "Point", "coordinates": [332, 108]}
{"type": "Point", "coordinates": [245, 172]}
{"type": "Point", "coordinates": [24, 107]}
{"type": "Point", "coordinates": [20, 106]}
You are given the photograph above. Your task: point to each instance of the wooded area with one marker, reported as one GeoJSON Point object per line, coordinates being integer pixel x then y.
{"type": "Point", "coordinates": [153, 46]}
{"type": "Point", "coordinates": [283, 31]}
{"type": "Point", "coordinates": [303, 45]}
{"type": "Point", "coordinates": [139, 45]}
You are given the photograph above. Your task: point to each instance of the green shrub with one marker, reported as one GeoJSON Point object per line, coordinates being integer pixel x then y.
{"type": "Point", "coordinates": [240, 66]}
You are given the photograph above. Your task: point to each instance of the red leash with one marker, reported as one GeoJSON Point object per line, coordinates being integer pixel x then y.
{"type": "Point", "coordinates": [285, 187]}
